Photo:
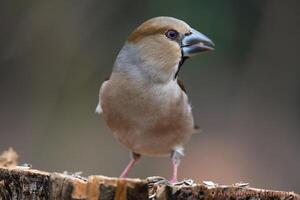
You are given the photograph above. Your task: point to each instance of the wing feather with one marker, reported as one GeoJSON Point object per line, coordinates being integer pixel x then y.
{"type": "Point", "coordinates": [180, 83]}
{"type": "Point", "coordinates": [98, 109]}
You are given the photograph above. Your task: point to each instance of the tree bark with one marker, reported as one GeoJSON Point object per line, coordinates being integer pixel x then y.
{"type": "Point", "coordinates": [26, 183]}
{"type": "Point", "coordinates": [23, 182]}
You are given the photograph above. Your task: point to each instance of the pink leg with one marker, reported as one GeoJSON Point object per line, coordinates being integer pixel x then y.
{"type": "Point", "coordinates": [174, 174]}
{"type": "Point", "coordinates": [176, 157]}
{"type": "Point", "coordinates": [134, 159]}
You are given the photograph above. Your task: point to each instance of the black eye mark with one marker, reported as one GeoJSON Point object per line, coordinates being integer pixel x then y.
{"type": "Point", "coordinates": [172, 34]}
{"type": "Point", "coordinates": [188, 33]}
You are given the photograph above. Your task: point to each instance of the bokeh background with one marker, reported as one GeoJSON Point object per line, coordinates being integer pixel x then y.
{"type": "Point", "coordinates": [54, 56]}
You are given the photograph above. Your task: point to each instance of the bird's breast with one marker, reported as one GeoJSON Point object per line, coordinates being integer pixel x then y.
{"type": "Point", "coordinates": [147, 117]}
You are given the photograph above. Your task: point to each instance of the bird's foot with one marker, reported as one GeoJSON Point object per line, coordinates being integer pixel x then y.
{"type": "Point", "coordinates": [173, 181]}
{"type": "Point", "coordinates": [185, 182]}
{"type": "Point", "coordinates": [157, 180]}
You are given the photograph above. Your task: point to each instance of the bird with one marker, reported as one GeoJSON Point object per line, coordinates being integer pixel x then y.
{"type": "Point", "coordinates": [143, 102]}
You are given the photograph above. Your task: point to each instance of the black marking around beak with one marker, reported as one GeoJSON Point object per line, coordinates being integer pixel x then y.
{"type": "Point", "coordinates": [181, 62]}
{"type": "Point", "coordinates": [191, 44]}
{"type": "Point", "coordinates": [196, 43]}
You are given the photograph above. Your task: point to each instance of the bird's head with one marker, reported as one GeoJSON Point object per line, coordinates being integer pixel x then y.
{"type": "Point", "coordinates": [159, 46]}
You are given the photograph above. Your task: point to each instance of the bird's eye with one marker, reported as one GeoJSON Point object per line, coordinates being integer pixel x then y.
{"type": "Point", "coordinates": [171, 34]}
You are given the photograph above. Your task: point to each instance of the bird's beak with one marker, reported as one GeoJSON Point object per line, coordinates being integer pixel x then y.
{"type": "Point", "coordinates": [195, 43]}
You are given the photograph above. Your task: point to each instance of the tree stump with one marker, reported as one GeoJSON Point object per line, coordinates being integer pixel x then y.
{"type": "Point", "coordinates": [23, 182]}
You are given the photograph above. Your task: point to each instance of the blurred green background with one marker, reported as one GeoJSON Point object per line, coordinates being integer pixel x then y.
{"type": "Point", "coordinates": [54, 56]}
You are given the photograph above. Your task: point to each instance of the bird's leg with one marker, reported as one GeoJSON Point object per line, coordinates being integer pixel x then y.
{"type": "Point", "coordinates": [134, 158]}
{"type": "Point", "coordinates": [176, 156]}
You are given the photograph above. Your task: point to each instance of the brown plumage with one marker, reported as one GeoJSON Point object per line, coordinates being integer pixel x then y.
{"type": "Point", "coordinates": [157, 26]}
{"type": "Point", "coordinates": [143, 102]}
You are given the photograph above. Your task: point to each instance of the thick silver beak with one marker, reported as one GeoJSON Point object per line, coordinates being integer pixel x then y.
{"type": "Point", "coordinates": [195, 43]}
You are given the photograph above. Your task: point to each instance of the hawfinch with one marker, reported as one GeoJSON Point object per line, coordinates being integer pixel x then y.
{"type": "Point", "coordinates": [143, 102]}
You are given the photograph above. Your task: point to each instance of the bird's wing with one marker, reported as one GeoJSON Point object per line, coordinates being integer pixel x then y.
{"type": "Point", "coordinates": [180, 83]}
{"type": "Point", "coordinates": [98, 109]}
{"type": "Point", "coordinates": [197, 129]}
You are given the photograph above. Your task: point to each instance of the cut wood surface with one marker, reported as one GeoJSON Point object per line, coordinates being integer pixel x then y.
{"type": "Point", "coordinates": [23, 182]}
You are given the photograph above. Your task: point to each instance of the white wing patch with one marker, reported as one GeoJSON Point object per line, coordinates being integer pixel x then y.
{"type": "Point", "coordinates": [98, 109]}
